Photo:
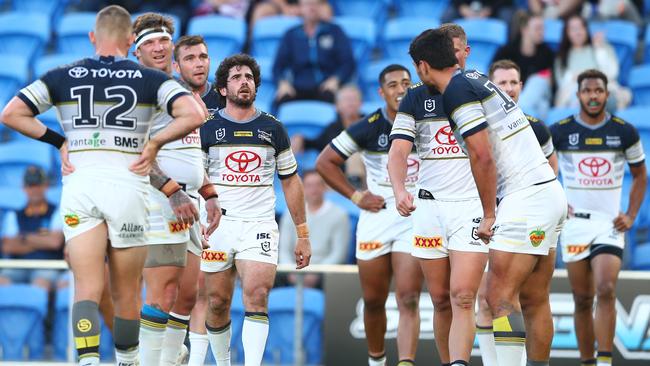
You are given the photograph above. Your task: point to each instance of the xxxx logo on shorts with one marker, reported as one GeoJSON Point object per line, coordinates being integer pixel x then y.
{"type": "Point", "coordinates": [369, 245]}
{"type": "Point", "coordinates": [576, 249]}
{"type": "Point", "coordinates": [424, 242]}
{"type": "Point", "coordinates": [71, 220]}
{"type": "Point", "coordinates": [177, 227]}
{"type": "Point", "coordinates": [213, 256]}
{"type": "Point", "coordinates": [84, 325]}
{"type": "Point", "coordinates": [537, 237]}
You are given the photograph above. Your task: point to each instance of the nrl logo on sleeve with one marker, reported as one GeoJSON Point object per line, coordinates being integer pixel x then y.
{"type": "Point", "coordinates": [220, 133]}
{"type": "Point", "coordinates": [574, 138]}
{"type": "Point", "coordinates": [429, 105]}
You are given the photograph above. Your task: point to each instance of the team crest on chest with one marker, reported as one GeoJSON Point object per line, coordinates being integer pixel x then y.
{"type": "Point", "coordinates": [429, 105]}
{"type": "Point", "coordinates": [574, 139]}
{"type": "Point", "coordinates": [382, 141]}
{"type": "Point", "coordinates": [220, 133]}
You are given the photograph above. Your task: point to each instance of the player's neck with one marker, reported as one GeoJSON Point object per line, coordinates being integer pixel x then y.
{"type": "Point", "coordinates": [444, 77]}
{"type": "Point", "coordinates": [110, 49]}
{"type": "Point", "coordinates": [240, 113]}
{"type": "Point", "coordinates": [586, 118]}
{"type": "Point", "coordinates": [201, 89]}
{"type": "Point", "coordinates": [390, 114]}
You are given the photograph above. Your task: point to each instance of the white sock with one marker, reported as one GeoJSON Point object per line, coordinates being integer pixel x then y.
{"type": "Point", "coordinates": [89, 361]}
{"type": "Point", "coordinates": [153, 323]}
{"type": "Point", "coordinates": [220, 343]}
{"type": "Point", "coordinates": [377, 361]}
{"type": "Point", "coordinates": [254, 334]}
{"type": "Point", "coordinates": [603, 358]}
{"type": "Point", "coordinates": [199, 348]}
{"type": "Point", "coordinates": [485, 337]}
{"type": "Point", "coordinates": [128, 357]}
{"type": "Point", "coordinates": [174, 338]}
{"type": "Point", "coordinates": [509, 339]}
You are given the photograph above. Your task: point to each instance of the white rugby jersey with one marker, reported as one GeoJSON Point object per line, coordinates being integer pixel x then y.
{"type": "Point", "coordinates": [106, 106]}
{"type": "Point", "coordinates": [592, 161]}
{"type": "Point", "coordinates": [445, 169]}
{"type": "Point", "coordinates": [370, 137]}
{"type": "Point", "coordinates": [242, 159]}
{"type": "Point", "coordinates": [474, 103]}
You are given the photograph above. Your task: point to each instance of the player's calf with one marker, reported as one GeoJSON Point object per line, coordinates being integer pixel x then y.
{"type": "Point", "coordinates": [86, 329]}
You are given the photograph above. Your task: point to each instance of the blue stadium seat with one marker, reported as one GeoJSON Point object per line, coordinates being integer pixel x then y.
{"type": "Point", "coordinates": [22, 309]}
{"type": "Point", "coordinates": [553, 32]}
{"type": "Point", "coordinates": [175, 19]}
{"type": "Point", "coordinates": [52, 8]}
{"type": "Point", "coordinates": [646, 42]}
{"type": "Point", "coordinates": [268, 33]}
{"type": "Point", "coordinates": [638, 116]}
{"type": "Point", "coordinates": [15, 157]}
{"type": "Point", "coordinates": [362, 34]}
{"type": "Point", "coordinates": [376, 10]}
{"type": "Point", "coordinates": [307, 117]}
{"type": "Point", "coordinates": [306, 160]}
{"type": "Point", "coordinates": [484, 36]}
{"type": "Point", "coordinates": [72, 34]}
{"type": "Point", "coordinates": [281, 331]}
{"type": "Point", "coordinates": [12, 198]}
{"type": "Point", "coordinates": [421, 8]}
{"type": "Point", "coordinates": [556, 114]}
{"type": "Point", "coordinates": [400, 32]}
{"type": "Point", "coordinates": [369, 76]}
{"type": "Point", "coordinates": [224, 36]}
{"type": "Point", "coordinates": [640, 85]}
{"type": "Point", "coordinates": [24, 33]}
{"type": "Point", "coordinates": [14, 74]}
{"type": "Point", "coordinates": [623, 36]}
{"type": "Point", "coordinates": [371, 106]}
{"type": "Point", "coordinates": [49, 62]}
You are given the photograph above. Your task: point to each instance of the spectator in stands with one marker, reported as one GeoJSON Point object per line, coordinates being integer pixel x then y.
{"type": "Point", "coordinates": [231, 8]}
{"type": "Point", "coordinates": [555, 8]}
{"type": "Point", "coordinates": [535, 58]}
{"type": "Point", "coordinates": [329, 227]}
{"type": "Point", "coordinates": [469, 9]}
{"type": "Point", "coordinates": [180, 8]}
{"type": "Point", "coordinates": [612, 9]}
{"type": "Point", "coordinates": [578, 52]}
{"type": "Point", "coordinates": [314, 58]}
{"type": "Point", "coordinates": [265, 8]}
{"type": "Point", "coordinates": [35, 232]}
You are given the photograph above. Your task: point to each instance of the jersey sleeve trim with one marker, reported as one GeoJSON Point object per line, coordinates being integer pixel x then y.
{"type": "Point", "coordinates": [548, 148]}
{"type": "Point", "coordinates": [28, 101]}
{"type": "Point", "coordinates": [634, 154]}
{"type": "Point", "coordinates": [345, 144]}
{"type": "Point", "coordinates": [483, 125]}
{"type": "Point", "coordinates": [400, 136]}
{"type": "Point", "coordinates": [285, 176]}
{"type": "Point", "coordinates": [38, 95]}
{"type": "Point", "coordinates": [171, 101]}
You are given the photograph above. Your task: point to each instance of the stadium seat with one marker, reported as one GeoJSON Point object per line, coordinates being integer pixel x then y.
{"type": "Point", "coordinates": [282, 303]}
{"type": "Point", "coordinates": [421, 8]}
{"type": "Point", "coordinates": [376, 10]}
{"type": "Point", "coordinates": [553, 32]}
{"type": "Point", "coordinates": [623, 36]}
{"type": "Point", "coordinates": [15, 157]}
{"type": "Point", "coordinates": [49, 62]}
{"type": "Point", "coordinates": [268, 33]}
{"type": "Point", "coordinates": [72, 34]}
{"type": "Point", "coordinates": [400, 32]}
{"type": "Point", "coordinates": [52, 8]}
{"type": "Point", "coordinates": [22, 309]}
{"type": "Point", "coordinates": [224, 35]}
{"type": "Point", "coordinates": [307, 117]}
{"type": "Point", "coordinates": [638, 116]}
{"type": "Point", "coordinates": [369, 77]}
{"type": "Point", "coordinates": [556, 114]}
{"type": "Point", "coordinates": [371, 106]}
{"type": "Point", "coordinates": [484, 36]}
{"type": "Point", "coordinates": [14, 74]}
{"type": "Point", "coordinates": [24, 33]}
{"type": "Point", "coordinates": [640, 85]}
{"type": "Point", "coordinates": [12, 198]}
{"type": "Point", "coordinates": [362, 34]}
{"type": "Point", "coordinates": [646, 42]}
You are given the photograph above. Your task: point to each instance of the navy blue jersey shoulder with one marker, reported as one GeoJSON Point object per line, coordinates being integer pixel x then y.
{"type": "Point", "coordinates": [541, 130]}
{"type": "Point", "coordinates": [615, 134]}
{"type": "Point", "coordinates": [466, 87]}
{"type": "Point", "coordinates": [371, 133]}
{"type": "Point", "coordinates": [422, 102]}
{"type": "Point", "coordinates": [212, 99]}
{"type": "Point", "coordinates": [264, 130]}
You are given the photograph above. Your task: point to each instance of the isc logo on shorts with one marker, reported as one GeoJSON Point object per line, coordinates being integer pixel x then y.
{"type": "Point", "coordinates": [177, 227]}
{"type": "Point", "coordinates": [369, 245]}
{"type": "Point", "coordinates": [427, 243]}
{"type": "Point", "coordinates": [213, 256]}
{"type": "Point", "coordinates": [576, 249]}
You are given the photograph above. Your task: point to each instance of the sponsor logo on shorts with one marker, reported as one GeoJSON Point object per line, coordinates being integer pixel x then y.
{"type": "Point", "coordinates": [177, 227]}
{"type": "Point", "coordinates": [131, 230]}
{"type": "Point", "coordinates": [71, 220]}
{"type": "Point", "coordinates": [266, 246]}
{"type": "Point", "coordinates": [213, 256]}
{"type": "Point", "coordinates": [84, 325]}
{"type": "Point", "coordinates": [537, 237]}
{"type": "Point", "coordinates": [576, 249]}
{"type": "Point", "coordinates": [242, 162]}
{"type": "Point", "coordinates": [475, 233]}
{"type": "Point", "coordinates": [369, 245]}
{"type": "Point", "coordinates": [427, 243]}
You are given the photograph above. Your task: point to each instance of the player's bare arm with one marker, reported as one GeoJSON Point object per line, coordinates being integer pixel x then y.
{"type": "Point", "coordinates": [552, 161]}
{"type": "Point", "coordinates": [624, 221]}
{"type": "Point", "coordinates": [181, 203]}
{"type": "Point", "coordinates": [485, 176]}
{"type": "Point", "coordinates": [209, 193]}
{"type": "Point", "coordinates": [329, 165]}
{"type": "Point", "coordinates": [293, 193]}
{"type": "Point", "coordinates": [397, 170]}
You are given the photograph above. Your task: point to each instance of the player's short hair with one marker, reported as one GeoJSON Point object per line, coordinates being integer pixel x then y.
{"type": "Point", "coordinates": [592, 74]}
{"type": "Point", "coordinates": [153, 20]}
{"type": "Point", "coordinates": [188, 41]}
{"type": "Point", "coordinates": [434, 47]}
{"type": "Point", "coordinates": [113, 20]}
{"type": "Point", "coordinates": [504, 64]}
{"type": "Point", "coordinates": [391, 68]}
{"type": "Point", "coordinates": [240, 59]}
{"type": "Point", "coordinates": [454, 31]}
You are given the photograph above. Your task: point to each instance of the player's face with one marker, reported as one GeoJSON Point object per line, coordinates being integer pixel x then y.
{"type": "Point", "coordinates": [240, 87]}
{"type": "Point", "coordinates": [156, 53]}
{"type": "Point", "coordinates": [508, 81]}
{"type": "Point", "coordinates": [593, 97]}
{"type": "Point", "coordinates": [394, 88]}
{"type": "Point", "coordinates": [194, 65]}
{"type": "Point", "coordinates": [461, 50]}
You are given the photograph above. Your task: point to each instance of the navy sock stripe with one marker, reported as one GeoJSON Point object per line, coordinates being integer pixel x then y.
{"type": "Point", "coordinates": [217, 329]}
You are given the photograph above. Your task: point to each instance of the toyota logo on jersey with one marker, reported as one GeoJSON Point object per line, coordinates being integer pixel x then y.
{"type": "Point", "coordinates": [595, 169]}
{"type": "Point", "coordinates": [447, 145]}
{"type": "Point", "coordinates": [445, 136]}
{"type": "Point", "coordinates": [243, 161]}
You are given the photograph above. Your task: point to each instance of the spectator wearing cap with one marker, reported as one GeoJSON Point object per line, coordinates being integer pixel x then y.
{"type": "Point", "coordinates": [34, 232]}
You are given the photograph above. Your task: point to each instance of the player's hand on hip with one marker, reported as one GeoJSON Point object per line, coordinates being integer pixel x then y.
{"type": "Point", "coordinates": [404, 203]}
{"type": "Point", "coordinates": [485, 231]}
{"type": "Point", "coordinates": [302, 252]}
{"type": "Point", "coordinates": [371, 202]}
{"type": "Point", "coordinates": [214, 215]}
{"type": "Point", "coordinates": [623, 222]}
{"type": "Point", "coordinates": [184, 207]}
{"type": "Point", "coordinates": [66, 166]}
{"type": "Point", "coordinates": [142, 165]}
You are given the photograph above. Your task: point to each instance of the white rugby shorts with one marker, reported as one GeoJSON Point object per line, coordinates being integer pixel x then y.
{"type": "Point", "coordinates": [164, 227]}
{"type": "Point", "coordinates": [585, 229]}
{"type": "Point", "coordinates": [238, 239]}
{"type": "Point", "coordinates": [529, 221]}
{"type": "Point", "coordinates": [383, 232]}
{"type": "Point", "coordinates": [440, 226]}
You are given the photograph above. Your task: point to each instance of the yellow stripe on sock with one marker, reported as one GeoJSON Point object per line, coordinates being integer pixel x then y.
{"type": "Point", "coordinates": [150, 324]}
{"type": "Point", "coordinates": [175, 324]}
{"type": "Point", "coordinates": [86, 342]}
{"type": "Point", "coordinates": [91, 354]}
{"type": "Point", "coordinates": [510, 339]}
{"type": "Point", "coordinates": [604, 359]}
{"type": "Point", "coordinates": [258, 318]}
{"type": "Point", "coordinates": [484, 330]}
{"type": "Point", "coordinates": [501, 324]}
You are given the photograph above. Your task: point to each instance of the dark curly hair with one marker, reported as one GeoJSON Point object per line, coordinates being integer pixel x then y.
{"type": "Point", "coordinates": [241, 59]}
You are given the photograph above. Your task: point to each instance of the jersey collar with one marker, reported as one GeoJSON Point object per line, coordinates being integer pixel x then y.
{"type": "Point", "coordinates": [590, 126]}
